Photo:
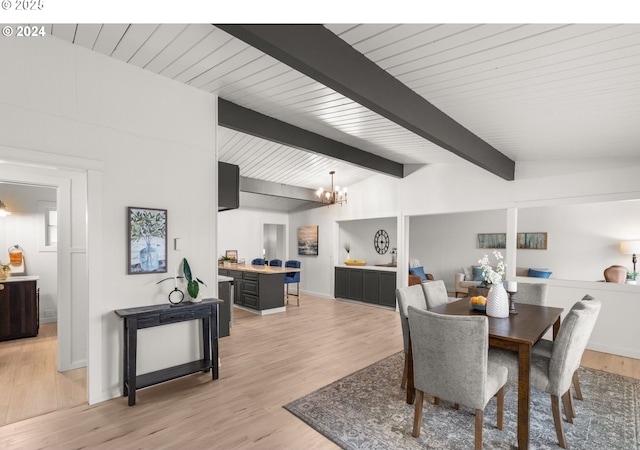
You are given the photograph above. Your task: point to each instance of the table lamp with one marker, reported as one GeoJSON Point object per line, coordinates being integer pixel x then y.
{"type": "Point", "coordinates": [630, 248]}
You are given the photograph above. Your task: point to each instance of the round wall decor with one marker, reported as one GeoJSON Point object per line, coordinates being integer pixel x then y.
{"type": "Point", "coordinates": [381, 242]}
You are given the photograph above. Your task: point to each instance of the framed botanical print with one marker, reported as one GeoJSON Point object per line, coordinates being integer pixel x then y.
{"type": "Point", "coordinates": [147, 246]}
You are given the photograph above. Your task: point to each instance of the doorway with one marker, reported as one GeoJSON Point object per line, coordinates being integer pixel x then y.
{"type": "Point", "coordinates": [274, 242]}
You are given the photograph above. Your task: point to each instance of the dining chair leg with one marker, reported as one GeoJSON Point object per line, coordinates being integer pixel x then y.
{"type": "Point", "coordinates": [417, 415]}
{"type": "Point", "coordinates": [405, 372]}
{"type": "Point", "coordinates": [576, 385]}
{"type": "Point", "coordinates": [500, 408]}
{"type": "Point", "coordinates": [568, 406]}
{"type": "Point", "coordinates": [478, 437]}
{"type": "Point", "coordinates": [557, 421]}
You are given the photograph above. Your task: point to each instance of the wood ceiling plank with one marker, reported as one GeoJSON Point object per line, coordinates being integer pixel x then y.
{"type": "Point", "coordinates": [109, 37]}
{"type": "Point", "coordinates": [342, 68]}
{"type": "Point", "coordinates": [133, 39]}
{"type": "Point", "coordinates": [87, 34]}
{"type": "Point", "coordinates": [176, 49]}
{"type": "Point", "coordinates": [236, 117]}
{"type": "Point", "coordinates": [161, 38]}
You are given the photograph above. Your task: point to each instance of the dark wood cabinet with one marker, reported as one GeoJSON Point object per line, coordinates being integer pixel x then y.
{"type": "Point", "coordinates": [376, 287]}
{"type": "Point", "coordinates": [258, 291]}
{"type": "Point", "coordinates": [19, 309]}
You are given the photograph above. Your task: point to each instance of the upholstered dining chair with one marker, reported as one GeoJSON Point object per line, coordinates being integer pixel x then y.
{"type": "Point", "coordinates": [615, 274]}
{"type": "Point", "coordinates": [292, 277]}
{"type": "Point", "coordinates": [450, 362]}
{"type": "Point", "coordinates": [554, 374]}
{"type": "Point", "coordinates": [532, 293]}
{"type": "Point", "coordinates": [544, 347]}
{"type": "Point", "coordinates": [257, 262]}
{"type": "Point", "coordinates": [435, 293]}
{"type": "Point", "coordinates": [275, 263]}
{"type": "Point", "coordinates": [408, 296]}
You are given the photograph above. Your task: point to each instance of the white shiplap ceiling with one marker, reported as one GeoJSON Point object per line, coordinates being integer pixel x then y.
{"type": "Point", "coordinates": [533, 91]}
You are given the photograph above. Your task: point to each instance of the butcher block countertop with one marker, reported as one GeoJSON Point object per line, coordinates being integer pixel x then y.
{"type": "Point", "coordinates": [259, 269]}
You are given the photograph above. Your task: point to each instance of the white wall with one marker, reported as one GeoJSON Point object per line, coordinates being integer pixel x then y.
{"type": "Point", "coordinates": [156, 141]}
{"type": "Point", "coordinates": [361, 233]}
{"type": "Point", "coordinates": [25, 228]}
{"type": "Point", "coordinates": [464, 188]}
{"type": "Point", "coordinates": [242, 230]}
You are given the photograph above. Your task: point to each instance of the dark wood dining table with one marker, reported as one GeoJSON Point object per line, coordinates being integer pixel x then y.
{"type": "Point", "coordinates": [518, 332]}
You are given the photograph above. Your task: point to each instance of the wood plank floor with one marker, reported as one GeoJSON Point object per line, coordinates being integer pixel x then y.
{"type": "Point", "coordinates": [267, 362]}
{"type": "Point", "coordinates": [30, 384]}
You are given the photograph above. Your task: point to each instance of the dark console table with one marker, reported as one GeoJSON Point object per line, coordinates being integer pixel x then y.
{"type": "Point", "coordinates": [156, 315]}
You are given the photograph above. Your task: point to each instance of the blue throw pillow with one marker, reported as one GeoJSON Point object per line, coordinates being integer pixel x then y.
{"type": "Point", "coordinates": [418, 271]}
{"type": "Point", "coordinates": [477, 274]}
{"type": "Point", "coordinates": [535, 273]}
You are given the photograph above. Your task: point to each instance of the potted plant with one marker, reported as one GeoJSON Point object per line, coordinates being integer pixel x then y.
{"type": "Point", "coordinates": [347, 248]}
{"type": "Point", "coordinates": [4, 270]}
{"type": "Point", "coordinates": [193, 283]}
{"type": "Point", "coordinates": [226, 260]}
{"type": "Point", "coordinates": [631, 277]}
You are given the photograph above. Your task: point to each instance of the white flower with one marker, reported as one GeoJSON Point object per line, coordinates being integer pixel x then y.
{"type": "Point", "coordinates": [491, 275]}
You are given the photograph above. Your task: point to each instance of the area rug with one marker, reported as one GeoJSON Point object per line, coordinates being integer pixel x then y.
{"type": "Point", "coordinates": [367, 410]}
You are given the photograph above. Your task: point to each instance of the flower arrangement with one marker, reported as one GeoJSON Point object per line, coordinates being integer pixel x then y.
{"type": "Point", "coordinates": [491, 275]}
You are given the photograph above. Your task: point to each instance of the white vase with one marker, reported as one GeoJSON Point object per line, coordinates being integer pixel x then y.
{"type": "Point", "coordinates": [498, 301]}
{"type": "Point", "coordinates": [348, 256]}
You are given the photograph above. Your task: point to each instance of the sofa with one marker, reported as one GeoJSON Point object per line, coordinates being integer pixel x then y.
{"type": "Point", "coordinates": [472, 276]}
{"type": "Point", "coordinates": [417, 274]}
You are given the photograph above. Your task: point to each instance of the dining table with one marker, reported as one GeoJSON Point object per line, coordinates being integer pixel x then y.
{"type": "Point", "coordinates": [518, 333]}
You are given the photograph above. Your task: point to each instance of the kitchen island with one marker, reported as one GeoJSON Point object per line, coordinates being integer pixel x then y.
{"type": "Point", "coordinates": [258, 289]}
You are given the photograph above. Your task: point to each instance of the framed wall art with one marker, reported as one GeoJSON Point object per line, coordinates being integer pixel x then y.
{"type": "Point", "coordinates": [492, 240]}
{"type": "Point", "coordinates": [147, 247]}
{"type": "Point", "coordinates": [308, 240]}
{"type": "Point", "coordinates": [532, 241]}
{"type": "Point", "coordinates": [233, 254]}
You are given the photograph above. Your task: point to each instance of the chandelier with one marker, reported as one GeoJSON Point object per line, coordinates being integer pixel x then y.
{"type": "Point", "coordinates": [335, 195]}
{"type": "Point", "coordinates": [3, 210]}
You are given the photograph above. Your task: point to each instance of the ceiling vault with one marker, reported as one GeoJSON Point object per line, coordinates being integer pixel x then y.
{"type": "Point", "coordinates": [251, 122]}
{"type": "Point", "coordinates": [318, 53]}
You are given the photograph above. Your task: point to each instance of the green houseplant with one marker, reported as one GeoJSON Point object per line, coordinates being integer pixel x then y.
{"type": "Point", "coordinates": [193, 283]}
{"type": "Point", "coordinates": [631, 277]}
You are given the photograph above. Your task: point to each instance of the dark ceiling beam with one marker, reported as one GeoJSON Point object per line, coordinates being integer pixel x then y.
{"type": "Point", "coordinates": [263, 187]}
{"type": "Point", "coordinates": [318, 53]}
{"type": "Point", "coordinates": [254, 123]}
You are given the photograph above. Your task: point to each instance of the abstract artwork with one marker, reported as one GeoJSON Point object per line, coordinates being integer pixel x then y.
{"type": "Point", "coordinates": [308, 240]}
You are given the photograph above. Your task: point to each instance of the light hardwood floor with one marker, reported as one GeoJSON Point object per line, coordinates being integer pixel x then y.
{"type": "Point", "coordinates": [267, 362]}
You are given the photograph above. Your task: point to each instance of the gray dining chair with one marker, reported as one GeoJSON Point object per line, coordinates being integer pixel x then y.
{"type": "Point", "coordinates": [532, 293]}
{"type": "Point", "coordinates": [450, 362]}
{"type": "Point", "coordinates": [554, 374]}
{"type": "Point", "coordinates": [408, 296]}
{"type": "Point", "coordinates": [435, 293]}
{"type": "Point", "coordinates": [544, 347]}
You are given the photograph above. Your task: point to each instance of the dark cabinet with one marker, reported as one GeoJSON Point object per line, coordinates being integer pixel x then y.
{"type": "Point", "coordinates": [369, 286]}
{"type": "Point", "coordinates": [228, 186]}
{"type": "Point", "coordinates": [259, 291]}
{"type": "Point", "coordinates": [19, 309]}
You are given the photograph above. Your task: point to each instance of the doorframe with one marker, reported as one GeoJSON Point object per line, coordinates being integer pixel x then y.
{"type": "Point", "coordinates": [78, 183]}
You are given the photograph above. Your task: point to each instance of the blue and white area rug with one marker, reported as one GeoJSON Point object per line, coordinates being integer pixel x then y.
{"type": "Point", "coordinates": [367, 410]}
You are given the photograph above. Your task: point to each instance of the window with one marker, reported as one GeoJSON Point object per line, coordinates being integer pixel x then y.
{"type": "Point", "coordinates": [48, 226]}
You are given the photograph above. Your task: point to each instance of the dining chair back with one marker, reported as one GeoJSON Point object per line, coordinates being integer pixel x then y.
{"type": "Point", "coordinates": [554, 374]}
{"type": "Point", "coordinates": [292, 277]}
{"type": "Point", "coordinates": [532, 293]}
{"type": "Point", "coordinates": [275, 263]}
{"type": "Point", "coordinates": [450, 362]}
{"type": "Point", "coordinates": [408, 296]}
{"type": "Point", "coordinates": [435, 293]}
{"type": "Point", "coordinates": [257, 262]}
